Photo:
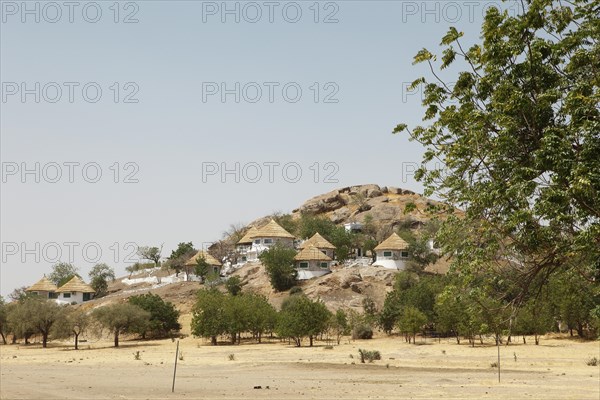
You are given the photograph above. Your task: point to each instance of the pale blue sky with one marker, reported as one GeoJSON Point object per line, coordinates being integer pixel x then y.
{"type": "Point", "coordinates": [169, 55]}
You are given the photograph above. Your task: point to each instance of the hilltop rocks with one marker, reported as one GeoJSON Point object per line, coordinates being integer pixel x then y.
{"type": "Point", "coordinates": [320, 204]}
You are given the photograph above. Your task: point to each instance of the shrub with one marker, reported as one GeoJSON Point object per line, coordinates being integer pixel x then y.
{"type": "Point", "coordinates": [295, 290]}
{"type": "Point", "coordinates": [362, 332]}
{"type": "Point", "coordinates": [369, 355]}
{"type": "Point", "coordinates": [328, 347]}
{"type": "Point", "coordinates": [494, 365]}
{"type": "Point", "coordinates": [231, 357]}
{"type": "Point", "coordinates": [592, 362]}
{"type": "Point", "coordinates": [137, 356]}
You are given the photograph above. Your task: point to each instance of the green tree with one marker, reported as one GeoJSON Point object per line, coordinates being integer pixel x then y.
{"type": "Point", "coordinates": [3, 319]}
{"type": "Point", "coordinates": [233, 285]}
{"type": "Point", "coordinates": [150, 253]}
{"type": "Point", "coordinates": [208, 315]}
{"type": "Point", "coordinates": [202, 268]}
{"type": "Point", "coordinates": [163, 315]}
{"type": "Point", "coordinates": [75, 322]}
{"type": "Point", "coordinates": [180, 256]}
{"type": "Point", "coordinates": [301, 317]}
{"type": "Point", "coordinates": [339, 324]}
{"type": "Point", "coordinates": [100, 275]}
{"type": "Point", "coordinates": [451, 313]}
{"type": "Point", "coordinates": [517, 144]}
{"type": "Point", "coordinates": [62, 273]}
{"type": "Point", "coordinates": [262, 317]}
{"type": "Point", "coordinates": [39, 315]}
{"type": "Point", "coordinates": [534, 318]}
{"type": "Point", "coordinates": [121, 318]}
{"type": "Point", "coordinates": [279, 264]}
{"type": "Point", "coordinates": [410, 322]}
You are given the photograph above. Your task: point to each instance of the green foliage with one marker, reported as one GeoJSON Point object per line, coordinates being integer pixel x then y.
{"type": "Point", "coordinates": [163, 315]}
{"type": "Point", "coordinates": [301, 317]}
{"type": "Point", "coordinates": [279, 264]}
{"type": "Point", "coordinates": [362, 331]}
{"type": "Point", "coordinates": [296, 290]}
{"type": "Point", "coordinates": [138, 267]}
{"type": "Point", "coordinates": [208, 315]}
{"type": "Point", "coordinates": [517, 138]}
{"type": "Point", "coordinates": [74, 323]}
{"type": "Point", "coordinates": [369, 355]}
{"type": "Point", "coordinates": [62, 273]}
{"type": "Point", "coordinates": [150, 253]}
{"type": "Point", "coordinates": [202, 268]}
{"type": "Point", "coordinates": [34, 315]}
{"type": "Point", "coordinates": [339, 325]}
{"type": "Point", "coordinates": [411, 322]}
{"type": "Point", "coordinates": [180, 256]}
{"type": "Point", "coordinates": [121, 318]}
{"type": "Point", "coordinates": [411, 290]}
{"type": "Point", "coordinates": [3, 319]}
{"type": "Point", "coordinates": [215, 314]}
{"type": "Point", "coordinates": [234, 285]}
{"type": "Point", "coordinates": [100, 275]}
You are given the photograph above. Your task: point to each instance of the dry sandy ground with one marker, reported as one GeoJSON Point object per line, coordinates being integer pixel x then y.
{"type": "Point", "coordinates": [556, 369]}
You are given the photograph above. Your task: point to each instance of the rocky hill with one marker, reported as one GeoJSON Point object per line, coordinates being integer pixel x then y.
{"type": "Point", "coordinates": [347, 285]}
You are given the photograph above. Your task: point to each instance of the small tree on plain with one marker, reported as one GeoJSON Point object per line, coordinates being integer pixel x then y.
{"type": "Point", "coordinates": [100, 275]}
{"type": "Point", "coordinates": [121, 318]}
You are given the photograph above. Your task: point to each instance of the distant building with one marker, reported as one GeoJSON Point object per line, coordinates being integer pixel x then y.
{"type": "Point", "coordinates": [75, 291]}
{"type": "Point", "coordinates": [320, 243]}
{"type": "Point", "coordinates": [353, 227]}
{"type": "Point", "coordinates": [245, 243]}
{"type": "Point", "coordinates": [214, 264]}
{"type": "Point", "coordinates": [311, 263]}
{"type": "Point", "coordinates": [392, 253]}
{"type": "Point", "coordinates": [44, 288]}
{"type": "Point", "coordinates": [265, 237]}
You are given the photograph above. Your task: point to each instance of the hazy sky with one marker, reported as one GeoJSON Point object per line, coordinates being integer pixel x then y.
{"type": "Point", "coordinates": [150, 122]}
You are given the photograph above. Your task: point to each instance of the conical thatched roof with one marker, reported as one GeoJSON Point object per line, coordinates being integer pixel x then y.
{"type": "Point", "coordinates": [394, 242]}
{"type": "Point", "coordinates": [43, 285]}
{"type": "Point", "coordinates": [318, 241]}
{"type": "Point", "coordinates": [273, 229]}
{"type": "Point", "coordinates": [311, 253]}
{"type": "Point", "coordinates": [76, 284]}
{"type": "Point", "coordinates": [203, 254]}
{"type": "Point", "coordinates": [247, 238]}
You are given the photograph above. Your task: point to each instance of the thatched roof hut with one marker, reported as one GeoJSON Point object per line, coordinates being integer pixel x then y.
{"type": "Point", "coordinates": [311, 253]}
{"type": "Point", "coordinates": [207, 257]}
{"type": "Point", "coordinates": [393, 242]}
{"type": "Point", "coordinates": [43, 285]}
{"type": "Point", "coordinates": [318, 241]}
{"type": "Point", "coordinates": [75, 284]}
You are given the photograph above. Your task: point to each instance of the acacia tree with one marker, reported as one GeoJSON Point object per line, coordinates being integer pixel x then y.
{"type": "Point", "coordinates": [75, 322]}
{"type": "Point", "coordinates": [301, 317]}
{"type": "Point", "coordinates": [208, 315]}
{"type": "Point", "coordinates": [517, 137]}
{"type": "Point", "coordinates": [163, 315]}
{"type": "Point", "coordinates": [180, 256]}
{"type": "Point", "coordinates": [100, 275]}
{"type": "Point", "coordinates": [279, 264]}
{"type": "Point", "coordinates": [121, 318]}
{"type": "Point", "coordinates": [3, 319]}
{"type": "Point", "coordinates": [40, 315]}
{"type": "Point", "coordinates": [151, 254]}
{"type": "Point", "coordinates": [62, 273]}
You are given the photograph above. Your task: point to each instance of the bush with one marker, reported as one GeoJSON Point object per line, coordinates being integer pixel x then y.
{"type": "Point", "coordinates": [592, 362]}
{"type": "Point", "coordinates": [295, 290]}
{"type": "Point", "coordinates": [362, 332]}
{"type": "Point", "coordinates": [163, 315]}
{"type": "Point", "coordinates": [369, 355]}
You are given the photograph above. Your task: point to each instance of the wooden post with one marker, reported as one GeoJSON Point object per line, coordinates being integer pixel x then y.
{"type": "Point", "coordinates": [498, 346]}
{"type": "Point", "coordinates": [175, 368]}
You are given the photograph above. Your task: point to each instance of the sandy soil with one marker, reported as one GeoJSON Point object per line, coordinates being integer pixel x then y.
{"type": "Point", "coordinates": [555, 369]}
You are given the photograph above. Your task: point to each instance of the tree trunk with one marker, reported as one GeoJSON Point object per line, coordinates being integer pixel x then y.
{"type": "Point", "coordinates": [259, 337]}
{"type": "Point", "coordinates": [537, 339]}
{"type": "Point", "coordinates": [524, 341]}
{"type": "Point", "coordinates": [14, 339]}
{"type": "Point", "coordinates": [44, 339]}
{"type": "Point", "coordinates": [457, 338]}
{"type": "Point", "coordinates": [3, 337]}
{"type": "Point", "coordinates": [116, 338]}
{"type": "Point", "coordinates": [580, 329]}
{"type": "Point", "coordinates": [213, 340]}
{"type": "Point", "coordinates": [310, 339]}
